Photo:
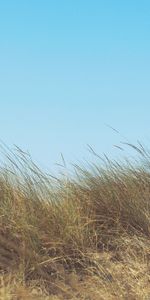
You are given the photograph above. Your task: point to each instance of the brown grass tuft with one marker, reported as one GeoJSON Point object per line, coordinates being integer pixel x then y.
{"type": "Point", "coordinates": [75, 237]}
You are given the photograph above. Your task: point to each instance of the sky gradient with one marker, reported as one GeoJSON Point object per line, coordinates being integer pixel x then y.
{"type": "Point", "coordinates": [68, 68]}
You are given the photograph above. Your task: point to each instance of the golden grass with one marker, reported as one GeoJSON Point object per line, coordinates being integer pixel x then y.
{"type": "Point", "coordinates": [75, 237]}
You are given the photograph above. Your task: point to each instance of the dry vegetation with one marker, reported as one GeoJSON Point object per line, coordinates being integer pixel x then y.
{"type": "Point", "coordinates": [75, 237]}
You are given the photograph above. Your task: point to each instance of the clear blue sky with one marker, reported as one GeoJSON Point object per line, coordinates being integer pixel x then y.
{"type": "Point", "coordinates": [67, 68]}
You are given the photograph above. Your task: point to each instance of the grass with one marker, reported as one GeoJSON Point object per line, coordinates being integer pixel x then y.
{"type": "Point", "coordinates": [85, 236]}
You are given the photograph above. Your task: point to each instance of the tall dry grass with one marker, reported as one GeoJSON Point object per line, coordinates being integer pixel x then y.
{"type": "Point", "coordinates": [84, 236]}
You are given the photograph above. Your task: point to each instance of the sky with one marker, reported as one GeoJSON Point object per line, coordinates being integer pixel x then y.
{"type": "Point", "coordinates": [69, 70]}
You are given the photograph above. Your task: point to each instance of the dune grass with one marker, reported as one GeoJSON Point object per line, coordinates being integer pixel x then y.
{"type": "Point", "coordinates": [85, 236]}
